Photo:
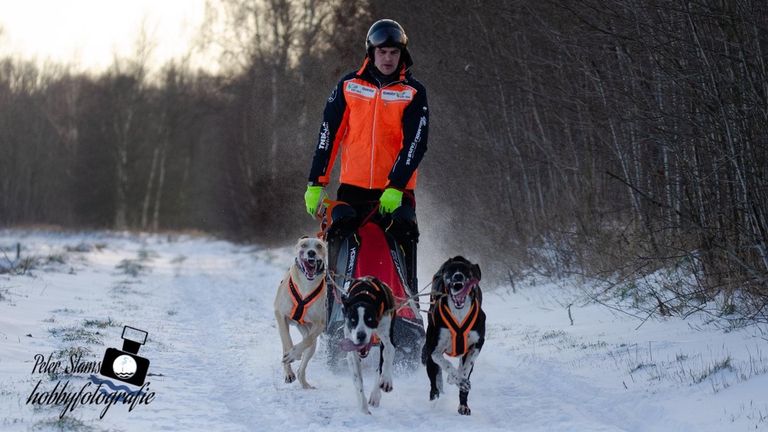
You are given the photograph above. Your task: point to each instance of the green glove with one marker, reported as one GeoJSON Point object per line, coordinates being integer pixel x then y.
{"type": "Point", "coordinates": [390, 200]}
{"type": "Point", "coordinates": [312, 198]}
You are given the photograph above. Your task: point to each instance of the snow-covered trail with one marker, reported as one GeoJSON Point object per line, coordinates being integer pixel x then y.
{"type": "Point", "coordinates": [226, 335]}
{"type": "Point", "coordinates": [227, 348]}
{"type": "Point", "coordinates": [215, 353]}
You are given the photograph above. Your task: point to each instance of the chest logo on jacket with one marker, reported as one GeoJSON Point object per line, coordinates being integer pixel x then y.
{"type": "Point", "coordinates": [365, 91]}
{"type": "Point", "coordinates": [392, 95]}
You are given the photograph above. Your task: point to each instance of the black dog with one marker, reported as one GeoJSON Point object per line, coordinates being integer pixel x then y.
{"type": "Point", "coordinates": [456, 327]}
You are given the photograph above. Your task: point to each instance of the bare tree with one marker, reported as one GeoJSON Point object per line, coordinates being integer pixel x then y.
{"type": "Point", "coordinates": [618, 140]}
{"type": "Point", "coordinates": [126, 81]}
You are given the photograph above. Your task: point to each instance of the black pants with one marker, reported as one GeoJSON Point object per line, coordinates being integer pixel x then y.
{"type": "Point", "coordinates": [364, 200]}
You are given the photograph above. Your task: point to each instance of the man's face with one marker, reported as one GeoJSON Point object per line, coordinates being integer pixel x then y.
{"type": "Point", "coordinates": [386, 59]}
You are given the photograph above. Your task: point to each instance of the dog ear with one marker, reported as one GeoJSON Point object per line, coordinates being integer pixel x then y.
{"type": "Point", "coordinates": [476, 270]}
{"type": "Point", "coordinates": [443, 267]}
{"type": "Point", "coordinates": [437, 282]}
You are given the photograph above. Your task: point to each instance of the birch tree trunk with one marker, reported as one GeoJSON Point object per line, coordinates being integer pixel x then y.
{"type": "Point", "coordinates": [148, 192]}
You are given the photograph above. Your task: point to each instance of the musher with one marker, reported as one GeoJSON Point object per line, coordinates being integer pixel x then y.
{"type": "Point", "coordinates": [378, 117]}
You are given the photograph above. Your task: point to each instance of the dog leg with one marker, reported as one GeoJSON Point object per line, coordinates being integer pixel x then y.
{"type": "Point", "coordinates": [467, 364]}
{"type": "Point", "coordinates": [433, 372]}
{"type": "Point", "coordinates": [310, 337]}
{"type": "Point", "coordinates": [295, 353]}
{"type": "Point", "coordinates": [447, 367]}
{"type": "Point", "coordinates": [355, 366]}
{"type": "Point", "coordinates": [463, 407]}
{"type": "Point", "coordinates": [388, 355]}
{"type": "Point", "coordinates": [285, 338]}
{"type": "Point", "coordinates": [465, 370]}
{"type": "Point", "coordinates": [387, 358]}
{"type": "Point", "coordinates": [375, 398]}
{"type": "Point", "coordinates": [303, 367]}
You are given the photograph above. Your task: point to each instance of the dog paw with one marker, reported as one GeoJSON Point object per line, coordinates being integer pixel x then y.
{"type": "Point", "coordinates": [375, 400]}
{"type": "Point", "coordinates": [292, 356]}
{"type": "Point", "coordinates": [385, 383]}
{"type": "Point", "coordinates": [289, 378]}
{"type": "Point", "coordinates": [464, 410]}
{"type": "Point", "coordinates": [434, 394]}
{"type": "Point", "coordinates": [307, 386]}
{"type": "Point", "coordinates": [465, 385]}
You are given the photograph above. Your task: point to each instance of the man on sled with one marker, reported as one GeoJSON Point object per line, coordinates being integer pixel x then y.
{"type": "Point", "coordinates": [378, 117]}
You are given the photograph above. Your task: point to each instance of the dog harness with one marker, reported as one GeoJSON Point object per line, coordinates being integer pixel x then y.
{"type": "Point", "coordinates": [459, 332]}
{"type": "Point", "coordinates": [302, 304]}
{"type": "Point", "coordinates": [377, 296]}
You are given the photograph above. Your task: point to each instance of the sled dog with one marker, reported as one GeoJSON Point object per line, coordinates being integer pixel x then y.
{"type": "Point", "coordinates": [456, 327]}
{"type": "Point", "coordinates": [300, 301]}
{"type": "Point", "coordinates": [368, 309]}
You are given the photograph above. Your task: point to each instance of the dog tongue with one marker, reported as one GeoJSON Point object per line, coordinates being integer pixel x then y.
{"type": "Point", "coordinates": [460, 296]}
{"type": "Point", "coordinates": [347, 345]}
{"type": "Point", "coordinates": [309, 269]}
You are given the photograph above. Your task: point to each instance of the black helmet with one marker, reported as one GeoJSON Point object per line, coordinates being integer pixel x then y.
{"type": "Point", "coordinates": [388, 33]}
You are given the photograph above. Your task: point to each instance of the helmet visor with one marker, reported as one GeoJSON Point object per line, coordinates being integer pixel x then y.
{"type": "Point", "coordinates": [387, 36]}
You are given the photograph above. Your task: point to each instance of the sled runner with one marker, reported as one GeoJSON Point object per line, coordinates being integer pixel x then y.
{"type": "Point", "coordinates": [361, 247]}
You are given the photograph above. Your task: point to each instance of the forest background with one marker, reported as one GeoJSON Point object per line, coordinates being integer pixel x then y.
{"type": "Point", "coordinates": [623, 141]}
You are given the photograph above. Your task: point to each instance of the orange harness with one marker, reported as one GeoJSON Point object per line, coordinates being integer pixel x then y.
{"type": "Point", "coordinates": [377, 296]}
{"type": "Point", "coordinates": [302, 304]}
{"type": "Point", "coordinates": [459, 332]}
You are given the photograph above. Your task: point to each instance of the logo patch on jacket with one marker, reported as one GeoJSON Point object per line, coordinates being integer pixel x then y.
{"type": "Point", "coordinates": [364, 91]}
{"type": "Point", "coordinates": [391, 95]}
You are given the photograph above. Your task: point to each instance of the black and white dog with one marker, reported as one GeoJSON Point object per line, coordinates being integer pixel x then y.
{"type": "Point", "coordinates": [456, 327]}
{"type": "Point", "coordinates": [369, 308]}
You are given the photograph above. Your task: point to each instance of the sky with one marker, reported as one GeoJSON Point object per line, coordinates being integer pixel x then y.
{"type": "Point", "coordinates": [87, 33]}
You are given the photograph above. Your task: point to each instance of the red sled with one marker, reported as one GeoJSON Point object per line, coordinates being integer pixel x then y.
{"type": "Point", "coordinates": [368, 250]}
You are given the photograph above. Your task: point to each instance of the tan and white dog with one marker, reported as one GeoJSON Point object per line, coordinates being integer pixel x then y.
{"type": "Point", "coordinates": [301, 301]}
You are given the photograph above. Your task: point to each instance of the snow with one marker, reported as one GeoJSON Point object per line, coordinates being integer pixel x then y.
{"type": "Point", "coordinates": [215, 352]}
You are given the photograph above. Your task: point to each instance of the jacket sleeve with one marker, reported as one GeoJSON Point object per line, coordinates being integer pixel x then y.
{"type": "Point", "coordinates": [331, 131]}
{"type": "Point", "coordinates": [415, 132]}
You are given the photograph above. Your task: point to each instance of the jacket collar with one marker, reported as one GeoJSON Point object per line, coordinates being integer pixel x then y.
{"type": "Point", "coordinates": [365, 73]}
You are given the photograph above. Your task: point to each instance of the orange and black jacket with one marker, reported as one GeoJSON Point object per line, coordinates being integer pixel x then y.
{"type": "Point", "coordinates": [381, 131]}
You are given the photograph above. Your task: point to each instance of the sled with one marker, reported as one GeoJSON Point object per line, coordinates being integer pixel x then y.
{"type": "Point", "coordinates": [369, 250]}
